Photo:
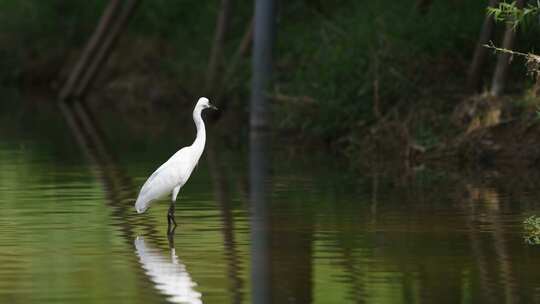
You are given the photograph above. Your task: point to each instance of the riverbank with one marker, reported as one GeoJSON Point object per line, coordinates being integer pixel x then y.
{"type": "Point", "coordinates": [369, 82]}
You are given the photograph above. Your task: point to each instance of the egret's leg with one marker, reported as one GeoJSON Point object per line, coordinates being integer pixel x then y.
{"type": "Point", "coordinates": [170, 214]}
{"type": "Point", "coordinates": [171, 223]}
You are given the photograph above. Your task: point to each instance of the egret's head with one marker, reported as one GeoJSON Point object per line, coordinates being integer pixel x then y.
{"type": "Point", "coordinates": [204, 103]}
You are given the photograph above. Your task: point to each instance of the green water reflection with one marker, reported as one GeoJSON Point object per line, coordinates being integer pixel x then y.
{"type": "Point", "coordinates": [69, 232]}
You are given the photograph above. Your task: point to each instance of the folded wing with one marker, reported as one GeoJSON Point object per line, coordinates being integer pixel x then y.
{"type": "Point", "coordinates": [172, 173]}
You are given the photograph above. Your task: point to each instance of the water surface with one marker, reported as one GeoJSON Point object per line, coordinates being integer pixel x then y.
{"type": "Point", "coordinates": [261, 227]}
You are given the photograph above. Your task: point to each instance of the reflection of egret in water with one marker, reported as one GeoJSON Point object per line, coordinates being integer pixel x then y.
{"type": "Point", "coordinates": [169, 274]}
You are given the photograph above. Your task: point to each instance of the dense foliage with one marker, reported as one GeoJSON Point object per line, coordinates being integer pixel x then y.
{"type": "Point", "coordinates": [340, 67]}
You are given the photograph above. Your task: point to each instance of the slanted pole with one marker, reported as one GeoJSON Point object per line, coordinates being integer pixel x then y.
{"type": "Point", "coordinates": [98, 49]}
{"type": "Point", "coordinates": [90, 49]}
{"type": "Point", "coordinates": [105, 48]}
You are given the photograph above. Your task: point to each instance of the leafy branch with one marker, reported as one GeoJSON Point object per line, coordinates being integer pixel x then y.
{"type": "Point", "coordinates": [509, 12]}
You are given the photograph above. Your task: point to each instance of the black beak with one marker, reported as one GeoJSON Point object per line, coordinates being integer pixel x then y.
{"type": "Point", "coordinates": [213, 107]}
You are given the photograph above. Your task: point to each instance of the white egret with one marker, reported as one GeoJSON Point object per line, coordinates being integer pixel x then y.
{"type": "Point", "coordinates": [174, 173]}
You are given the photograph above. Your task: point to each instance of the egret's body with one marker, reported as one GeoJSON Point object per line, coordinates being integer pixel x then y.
{"type": "Point", "coordinates": [174, 173]}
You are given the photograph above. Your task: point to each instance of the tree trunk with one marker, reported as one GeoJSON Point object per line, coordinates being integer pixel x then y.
{"type": "Point", "coordinates": [473, 75]}
{"type": "Point", "coordinates": [503, 59]}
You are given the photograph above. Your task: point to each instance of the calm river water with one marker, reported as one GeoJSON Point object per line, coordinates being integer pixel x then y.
{"type": "Point", "coordinates": [254, 227]}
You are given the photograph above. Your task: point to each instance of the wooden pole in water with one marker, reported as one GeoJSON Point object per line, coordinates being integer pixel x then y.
{"type": "Point", "coordinates": [473, 75]}
{"type": "Point", "coordinates": [263, 42]}
{"type": "Point", "coordinates": [260, 159]}
{"type": "Point", "coordinates": [503, 59]}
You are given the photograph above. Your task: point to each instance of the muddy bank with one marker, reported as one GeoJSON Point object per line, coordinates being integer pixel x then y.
{"type": "Point", "coordinates": [495, 132]}
{"type": "Point", "coordinates": [513, 142]}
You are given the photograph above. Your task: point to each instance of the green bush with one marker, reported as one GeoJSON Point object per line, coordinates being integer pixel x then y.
{"type": "Point", "coordinates": [336, 57]}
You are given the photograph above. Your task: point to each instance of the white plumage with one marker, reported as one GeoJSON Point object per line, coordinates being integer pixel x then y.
{"type": "Point", "coordinates": [175, 172]}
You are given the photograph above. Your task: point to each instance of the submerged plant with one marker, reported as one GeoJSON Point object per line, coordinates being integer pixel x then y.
{"type": "Point", "coordinates": [531, 225]}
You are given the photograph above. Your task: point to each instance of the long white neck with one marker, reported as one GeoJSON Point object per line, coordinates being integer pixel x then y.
{"type": "Point", "coordinates": [200, 140]}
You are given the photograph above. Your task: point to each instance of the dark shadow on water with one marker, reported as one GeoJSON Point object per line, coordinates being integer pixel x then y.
{"type": "Point", "coordinates": [281, 239]}
{"type": "Point", "coordinates": [220, 175]}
